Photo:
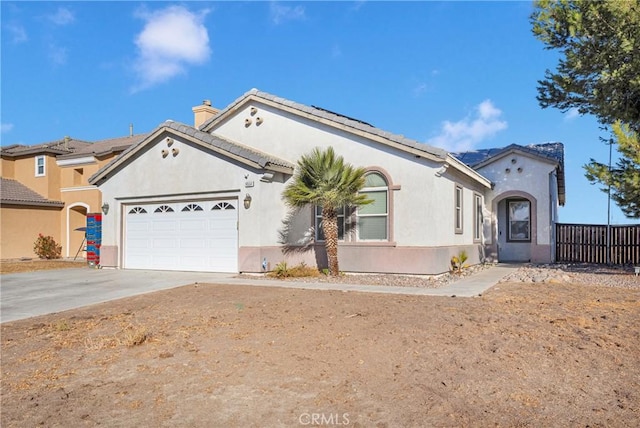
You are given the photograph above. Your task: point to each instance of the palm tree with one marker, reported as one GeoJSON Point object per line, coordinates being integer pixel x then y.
{"type": "Point", "coordinates": [325, 180]}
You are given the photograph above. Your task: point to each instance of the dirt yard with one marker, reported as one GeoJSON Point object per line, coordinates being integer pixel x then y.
{"type": "Point", "coordinates": [522, 355]}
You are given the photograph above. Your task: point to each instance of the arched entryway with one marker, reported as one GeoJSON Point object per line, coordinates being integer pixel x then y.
{"type": "Point", "coordinates": [514, 230]}
{"type": "Point", "coordinates": [76, 218]}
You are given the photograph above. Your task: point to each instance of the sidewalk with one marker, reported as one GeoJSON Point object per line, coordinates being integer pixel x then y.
{"type": "Point", "coordinates": [25, 295]}
{"type": "Point", "coordinates": [469, 286]}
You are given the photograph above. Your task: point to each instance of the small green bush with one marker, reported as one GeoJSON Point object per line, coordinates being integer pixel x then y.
{"type": "Point", "coordinates": [46, 247]}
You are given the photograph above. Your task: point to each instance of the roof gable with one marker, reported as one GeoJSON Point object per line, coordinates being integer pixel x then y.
{"type": "Point", "coordinates": [346, 124]}
{"type": "Point", "coordinates": [546, 152]}
{"type": "Point", "coordinates": [332, 119]}
{"type": "Point", "coordinates": [553, 152]}
{"type": "Point", "coordinates": [233, 150]}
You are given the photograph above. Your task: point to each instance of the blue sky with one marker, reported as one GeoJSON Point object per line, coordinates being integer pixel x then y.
{"type": "Point", "coordinates": [460, 75]}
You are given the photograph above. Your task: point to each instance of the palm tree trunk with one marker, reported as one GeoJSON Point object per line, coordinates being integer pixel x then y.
{"type": "Point", "coordinates": [330, 227]}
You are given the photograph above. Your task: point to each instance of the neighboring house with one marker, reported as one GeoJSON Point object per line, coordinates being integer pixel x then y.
{"type": "Point", "coordinates": [45, 189]}
{"type": "Point", "coordinates": [21, 210]}
{"type": "Point", "coordinates": [209, 197]}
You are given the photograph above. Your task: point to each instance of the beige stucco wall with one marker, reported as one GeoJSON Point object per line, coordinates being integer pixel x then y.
{"type": "Point", "coordinates": [19, 228]}
{"type": "Point", "coordinates": [7, 169]}
{"type": "Point", "coordinates": [47, 185]}
{"type": "Point", "coordinates": [80, 198]}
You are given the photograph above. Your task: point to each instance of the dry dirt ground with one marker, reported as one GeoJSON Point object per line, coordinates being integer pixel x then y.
{"type": "Point", "coordinates": [521, 355]}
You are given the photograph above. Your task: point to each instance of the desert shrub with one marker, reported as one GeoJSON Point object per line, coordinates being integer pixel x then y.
{"type": "Point", "coordinates": [46, 247]}
{"type": "Point", "coordinates": [282, 270]}
{"type": "Point", "coordinates": [457, 262]}
{"type": "Point", "coordinates": [302, 270]}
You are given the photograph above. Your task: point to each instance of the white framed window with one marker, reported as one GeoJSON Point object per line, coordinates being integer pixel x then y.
{"type": "Point", "coordinates": [318, 223]}
{"type": "Point", "coordinates": [40, 166]}
{"type": "Point", "coordinates": [519, 218]}
{"type": "Point", "coordinates": [458, 209]}
{"type": "Point", "coordinates": [477, 218]}
{"type": "Point", "coordinates": [373, 219]}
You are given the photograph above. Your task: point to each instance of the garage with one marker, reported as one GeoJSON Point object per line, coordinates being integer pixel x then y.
{"type": "Point", "coordinates": [186, 236]}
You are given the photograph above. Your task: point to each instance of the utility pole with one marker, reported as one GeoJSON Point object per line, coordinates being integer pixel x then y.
{"type": "Point", "coordinates": [609, 209]}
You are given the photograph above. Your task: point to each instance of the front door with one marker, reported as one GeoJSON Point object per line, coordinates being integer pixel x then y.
{"type": "Point", "coordinates": [514, 230]}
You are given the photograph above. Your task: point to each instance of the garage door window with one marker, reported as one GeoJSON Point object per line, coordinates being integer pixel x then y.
{"type": "Point", "coordinates": [223, 206]}
{"type": "Point", "coordinates": [192, 207]}
{"type": "Point", "coordinates": [164, 209]}
{"type": "Point", "coordinates": [137, 210]}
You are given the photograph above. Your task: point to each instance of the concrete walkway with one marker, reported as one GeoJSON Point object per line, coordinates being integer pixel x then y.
{"type": "Point", "coordinates": [25, 295]}
{"type": "Point", "coordinates": [469, 286]}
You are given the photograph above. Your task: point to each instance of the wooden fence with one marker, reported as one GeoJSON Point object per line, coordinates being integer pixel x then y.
{"type": "Point", "coordinates": [587, 243]}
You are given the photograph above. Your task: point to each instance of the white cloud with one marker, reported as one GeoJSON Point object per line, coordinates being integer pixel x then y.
{"type": "Point", "coordinates": [420, 89]}
{"type": "Point", "coordinates": [58, 54]}
{"type": "Point", "coordinates": [6, 127]}
{"type": "Point", "coordinates": [62, 16]}
{"type": "Point", "coordinates": [465, 134]}
{"type": "Point", "coordinates": [281, 13]}
{"type": "Point", "coordinates": [18, 33]}
{"type": "Point", "coordinates": [171, 39]}
{"type": "Point", "coordinates": [571, 114]}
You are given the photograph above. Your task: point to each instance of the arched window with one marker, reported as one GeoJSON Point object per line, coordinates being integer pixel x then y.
{"type": "Point", "coordinates": [373, 219]}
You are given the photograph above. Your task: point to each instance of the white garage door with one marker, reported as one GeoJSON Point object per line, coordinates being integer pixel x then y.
{"type": "Point", "coordinates": [188, 236]}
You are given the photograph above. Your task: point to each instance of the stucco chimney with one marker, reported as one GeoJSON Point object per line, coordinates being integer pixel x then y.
{"type": "Point", "coordinates": [203, 112]}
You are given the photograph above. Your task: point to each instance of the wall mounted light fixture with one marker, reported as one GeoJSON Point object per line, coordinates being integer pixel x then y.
{"type": "Point", "coordinates": [247, 201]}
{"type": "Point", "coordinates": [105, 208]}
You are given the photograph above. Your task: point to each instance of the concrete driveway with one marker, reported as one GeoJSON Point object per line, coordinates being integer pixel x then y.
{"type": "Point", "coordinates": [24, 295]}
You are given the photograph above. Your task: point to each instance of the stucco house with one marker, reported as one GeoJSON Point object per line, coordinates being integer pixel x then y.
{"type": "Point", "coordinates": [208, 197]}
{"type": "Point", "coordinates": [45, 189]}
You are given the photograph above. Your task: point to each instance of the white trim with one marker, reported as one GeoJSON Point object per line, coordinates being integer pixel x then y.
{"type": "Point", "coordinates": [78, 189]}
{"type": "Point", "coordinates": [77, 161]}
{"type": "Point", "coordinates": [469, 172]}
{"type": "Point", "coordinates": [77, 204]}
{"type": "Point", "coordinates": [44, 166]}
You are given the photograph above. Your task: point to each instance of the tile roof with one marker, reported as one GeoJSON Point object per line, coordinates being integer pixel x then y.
{"type": "Point", "coordinates": [333, 117]}
{"type": "Point", "coordinates": [16, 193]}
{"type": "Point", "coordinates": [108, 146]}
{"type": "Point", "coordinates": [58, 147]}
{"type": "Point", "coordinates": [553, 151]}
